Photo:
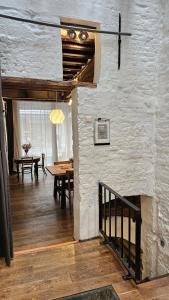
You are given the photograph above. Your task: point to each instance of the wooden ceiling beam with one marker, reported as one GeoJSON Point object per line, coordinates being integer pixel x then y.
{"type": "Point", "coordinates": [79, 56]}
{"type": "Point", "coordinates": [34, 84]}
{"type": "Point", "coordinates": [39, 90]}
{"type": "Point", "coordinates": [73, 64]}
{"type": "Point", "coordinates": [71, 69]}
{"type": "Point", "coordinates": [68, 75]}
{"type": "Point", "coordinates": [72, 47]}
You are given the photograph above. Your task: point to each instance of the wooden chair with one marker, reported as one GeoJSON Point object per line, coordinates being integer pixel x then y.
{"type": "Point", "coordinates": [58, 180]}
{"type": "Point", "coordinates": [27, 166]}
{"type": "Point", "coordinates": [42, 165]}
{"type": "Point", "coordinates": [69, 186]}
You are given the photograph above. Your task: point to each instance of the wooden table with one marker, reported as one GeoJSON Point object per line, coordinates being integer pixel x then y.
{"type": "Point", "coordinates": [59, 171]}
{"type": "Point", "coordinates": [36, 159]}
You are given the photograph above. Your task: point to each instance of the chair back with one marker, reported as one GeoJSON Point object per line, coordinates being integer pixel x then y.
{"type": "Point", "coordinates": [62, 162]}
{"type": "Point", "coordinates": [27, 161]}
{"type": "Point", "coordinates": [43, 160]}
{"type": "Point", "coordinates": [70, 175]}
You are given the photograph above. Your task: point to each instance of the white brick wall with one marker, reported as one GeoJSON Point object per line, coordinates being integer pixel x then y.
{"type": "Point", "coordinates": [134, 98]}
{"type": "Point", "coordinates": [162, 144]}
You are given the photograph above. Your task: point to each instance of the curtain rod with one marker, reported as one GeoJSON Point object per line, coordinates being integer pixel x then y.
{"type": "Point", "coordinates": [63, 26]}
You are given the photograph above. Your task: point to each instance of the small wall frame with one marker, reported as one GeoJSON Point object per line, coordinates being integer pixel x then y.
{"type": "Point", "coordinates": [102, 132]}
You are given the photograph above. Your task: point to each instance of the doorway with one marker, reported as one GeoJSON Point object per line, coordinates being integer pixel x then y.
{"type": "Point", "coordinates": [37, 217]}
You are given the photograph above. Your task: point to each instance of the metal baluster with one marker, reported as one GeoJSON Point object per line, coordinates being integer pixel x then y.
{"type": "Point", "coordinates": [138, 247]}
{"type": "Point", "coordinates": [121, 229]}
{"type": "Point", "coordinates": [115, 214]}
{"type": "Point", "coordinates": [129, 237]}
{"type": "Point", "coordinates": [100, 208]}
{"type": "Point", "coordinates": [109, 215]}
{"type": "Point", "coordinates": [105, 210]}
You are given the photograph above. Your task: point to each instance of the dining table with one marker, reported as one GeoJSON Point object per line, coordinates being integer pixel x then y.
{"type": "Point", "coordinates": [59, 171]}
{"type": "Point", "coordinates": [28, 159]}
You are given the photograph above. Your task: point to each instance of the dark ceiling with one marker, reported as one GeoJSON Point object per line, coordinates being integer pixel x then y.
{"type": "Point", "coordinates": [76, 55]}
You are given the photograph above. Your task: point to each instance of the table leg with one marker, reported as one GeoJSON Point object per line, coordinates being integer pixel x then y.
{"type": "Point", "coordinates": [55, 187]}
{"type": "Point", "coordinates": [17, 168]}
{"type": "Point", "coordinates": [63, 196]}
{"type": "Point", "coordinates": [36, 170]}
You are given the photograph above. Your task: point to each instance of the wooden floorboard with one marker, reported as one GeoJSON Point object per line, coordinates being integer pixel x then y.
{"type": "Point", "coordinates": [44, 269]}
{"type": "Point", "coordinates": [37, 219]}
{"type": "Point", "coordinates": [69, 269]}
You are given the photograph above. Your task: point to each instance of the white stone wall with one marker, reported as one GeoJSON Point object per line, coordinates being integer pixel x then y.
{"type": "Point", "coordinates": [134, 99]}
{"type": "Point", "coordinates": [28, 50]}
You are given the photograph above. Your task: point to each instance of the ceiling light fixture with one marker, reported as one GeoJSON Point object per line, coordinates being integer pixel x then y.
{"type": "Point", "coordinates": [56, 116]}
{"type": "Point", "coordinates": [83, 35]}
{"type": "Point", "coordinates": [71, 34]}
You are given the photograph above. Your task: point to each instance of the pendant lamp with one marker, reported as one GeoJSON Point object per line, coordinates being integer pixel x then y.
{"type": "Point", "coordinates": [56, 116]}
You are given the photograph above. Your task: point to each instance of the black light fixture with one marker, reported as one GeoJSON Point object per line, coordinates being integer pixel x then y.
{"type": "Point", "coordinates": [83, 35]}
{"type": "Point", "coordinates": [71, 34]}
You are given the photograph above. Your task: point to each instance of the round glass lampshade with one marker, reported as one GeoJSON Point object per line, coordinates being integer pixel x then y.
{"type": "Point", "coordinates": [56, 116]}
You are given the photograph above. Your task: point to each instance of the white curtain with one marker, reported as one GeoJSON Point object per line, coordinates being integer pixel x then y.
{"type": "Point", "coordinates": [16, 130]}
{"type": "Point", "coordinates": [35, 128]}
{"type": "Point", "coordinates": [64, 133]}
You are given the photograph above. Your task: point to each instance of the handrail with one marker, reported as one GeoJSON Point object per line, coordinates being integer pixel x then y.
{"type": "Point", "coordinates": [109, 208]}
{"type": "Point", "coordinates": [120, 197]}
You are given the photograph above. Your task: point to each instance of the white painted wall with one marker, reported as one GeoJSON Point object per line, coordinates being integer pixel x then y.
{"type": "Point", "coordinates": [134, 98]}
{"type": "Point", "coordinates": [162, 144]}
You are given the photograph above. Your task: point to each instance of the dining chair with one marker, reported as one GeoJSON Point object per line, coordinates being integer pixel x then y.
{"type": "Point", "coordinates": [27, 166]}
{"type": "Point", "coordinates": [58, 179]}
{"type": "Point", "coordinates": [42, 165]}
{"type": "Point", "coordinates": [69, 186]}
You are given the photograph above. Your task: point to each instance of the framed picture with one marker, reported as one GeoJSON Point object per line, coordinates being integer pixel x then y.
{"type": "Point", "coordinates": [102, 132]}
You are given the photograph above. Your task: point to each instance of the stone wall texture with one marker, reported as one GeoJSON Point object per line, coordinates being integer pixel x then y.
{"type": "Point", "coordinates": [135, 99]}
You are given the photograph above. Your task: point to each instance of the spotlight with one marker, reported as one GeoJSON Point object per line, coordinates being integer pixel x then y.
{"type": "Point", "coordinates": [83, 35]}
{"type": "Point", "coordinates": [71, 34]}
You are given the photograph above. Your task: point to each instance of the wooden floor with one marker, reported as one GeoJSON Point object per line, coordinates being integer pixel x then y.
{"type": "Point", "coordinates": [69, 269]}
{"type": "Point", "coordinates": [37, 219]}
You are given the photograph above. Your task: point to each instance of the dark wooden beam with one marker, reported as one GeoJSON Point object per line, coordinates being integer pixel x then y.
{"type": "Point", "coordinates": [81, 48]}
{"type": "Point", "coordinates": [71, 69]}
{"type": "Point", "coordinates": [39, 90]}
{"type": "Point", "coordinates": [87, 73]}
{"type": "Point", "coordinates": [73, 64]}
{"type": "Point", "coordinates": [70, 76]}
{"type": "Point", "coordinates": [34, 84]}
{"type": "Point", "coordinates": [78, 56]}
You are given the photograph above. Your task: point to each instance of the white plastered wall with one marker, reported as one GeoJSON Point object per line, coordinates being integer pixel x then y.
{"type": "Point", "coordinates": [129, 98]}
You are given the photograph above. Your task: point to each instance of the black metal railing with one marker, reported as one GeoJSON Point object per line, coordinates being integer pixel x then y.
{"type": "Point", "coordinates": [113, 211]}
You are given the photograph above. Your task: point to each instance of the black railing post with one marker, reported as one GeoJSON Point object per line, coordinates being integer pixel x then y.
{"type": "Point", "coordinates": [115, 216]}
{"type": "Point", "coordinates": [138, 246]}
{"type": "Point", "coordinates": [104, 210]}
{"type": "Point", "coordinates": [100, 207]}
{"type": "Point", "coordinates": [121, 229]}
{"type": "Point", "coordinates": [109, 215]}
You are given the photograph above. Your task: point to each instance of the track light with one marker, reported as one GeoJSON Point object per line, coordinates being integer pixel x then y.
{"type": "Point", "coordinates": [83, 35]}
{"type": "Point", "coordinates": [71, 34]}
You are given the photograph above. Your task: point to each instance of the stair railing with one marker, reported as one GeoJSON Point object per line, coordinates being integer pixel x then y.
{"type": "Point", "coordinates": [111, 218]}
